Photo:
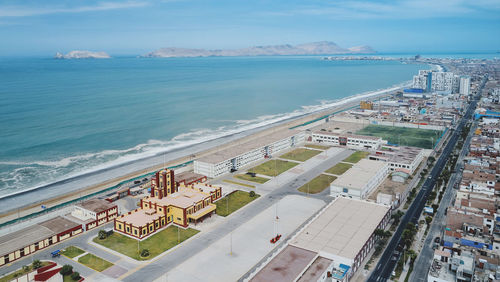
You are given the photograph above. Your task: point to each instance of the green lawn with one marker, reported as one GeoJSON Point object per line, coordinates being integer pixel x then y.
{"type": "Point", "coordinates": [20, 273]}
{"type": "Point", "coordinates": [252, 179]}
{"type": "Point", "coordinates": [238, 183]}
{"type": "Point", "coordinates": [94, 262]}
{"type": "Point", "coordinates": [156, 244]}
{"type": "Point", "coordinates": [72, 251]}
{"type": "Point", "coordinates": [300, 154]}
{"type": "Point", "coordinates": [356, 157]}
{"type": "Point", "coordinates": [422, 138]}
{"type": "Point", "coordinates": [319, 147]}
{"type": "Point", "coordinates": [318, 184]}
{"type": "Point", "coordinates": [273, 167]}
{"type": "Point", "coordinates": [233, 202]}
{"type": "Point", "coordinates": [339, 168]}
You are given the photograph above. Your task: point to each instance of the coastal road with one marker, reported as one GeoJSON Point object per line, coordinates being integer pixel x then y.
{"type": "Point", "coordinates": [388, 260]}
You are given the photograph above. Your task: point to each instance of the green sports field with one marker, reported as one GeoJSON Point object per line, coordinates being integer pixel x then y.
{"type": "Point", "coordinates": [422, 138]}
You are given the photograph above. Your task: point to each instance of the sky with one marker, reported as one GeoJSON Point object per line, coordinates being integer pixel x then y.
{"type": "Point", "coordinates": [137, 27]}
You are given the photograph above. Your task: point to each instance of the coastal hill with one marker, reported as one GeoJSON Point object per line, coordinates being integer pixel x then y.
{"type": "Point", "coordinates": [77, 54]}
{"type": "Point", "coordinates": [315, 48]}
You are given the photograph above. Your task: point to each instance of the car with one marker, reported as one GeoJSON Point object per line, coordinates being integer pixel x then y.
{"type": "Point", "coordinates": [437, 240]}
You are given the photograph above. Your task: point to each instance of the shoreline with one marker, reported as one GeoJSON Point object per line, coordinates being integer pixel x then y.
{"type": "Point", "coordinates": [108, 177]}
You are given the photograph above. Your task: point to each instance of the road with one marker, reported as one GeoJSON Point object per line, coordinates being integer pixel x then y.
{"type": "Point", "coordinates": [388, 260]}
{"type": "Point", "coordinates": [426, 255]}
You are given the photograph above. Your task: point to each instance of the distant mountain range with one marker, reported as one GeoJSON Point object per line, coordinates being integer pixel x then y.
{"type": "Point", "coordinates": [77, 54]}
{"type": "Point", "coordinates": [315, 48]}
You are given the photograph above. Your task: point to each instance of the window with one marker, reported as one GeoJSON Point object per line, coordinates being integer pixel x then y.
{"type": "Point", "coordinates": [128, 229]}
{"type": "Point", "coordinates": [135, 231]}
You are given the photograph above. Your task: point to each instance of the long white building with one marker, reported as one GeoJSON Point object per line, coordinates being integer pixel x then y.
{"type": "Point", "coordinates": [237, 156]}
{"type": "Point", "coordinates": [360, 180]}
{"type": "Point", "coordinates": [347, 140]}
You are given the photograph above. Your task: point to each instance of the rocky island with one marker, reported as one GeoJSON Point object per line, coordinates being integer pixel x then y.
{"type": "Point", "coordinates": [315, 48]}
{"type": "Point", "coordinates": [78, 54]}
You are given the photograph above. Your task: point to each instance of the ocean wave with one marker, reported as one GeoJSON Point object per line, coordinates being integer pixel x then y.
{"type": "Point", "coordinates": [32, 174]}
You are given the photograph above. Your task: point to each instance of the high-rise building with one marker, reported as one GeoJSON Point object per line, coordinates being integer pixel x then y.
{"type": "Point", "coordinates": [465, 85]}
{"type": "Point", "coordinates": [423, 80]}
{"type": "Point", "coordinates": [442, 81]}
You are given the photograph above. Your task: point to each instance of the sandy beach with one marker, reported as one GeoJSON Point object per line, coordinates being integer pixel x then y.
{"type": "Point", "coordinates": [29, 202]}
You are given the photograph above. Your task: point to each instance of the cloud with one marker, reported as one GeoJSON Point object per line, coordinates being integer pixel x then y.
{"type": "Point", "coordinates": [18, 11]}
{"type": "Point", "coordinates": [403, 9]}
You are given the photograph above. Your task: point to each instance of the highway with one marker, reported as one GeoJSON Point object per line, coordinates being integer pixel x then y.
{"type": "Point", "coordinates": [389, 259]}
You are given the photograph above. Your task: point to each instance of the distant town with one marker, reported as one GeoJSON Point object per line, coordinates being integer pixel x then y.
{"type": "Point", "coordinates": [400, 186]}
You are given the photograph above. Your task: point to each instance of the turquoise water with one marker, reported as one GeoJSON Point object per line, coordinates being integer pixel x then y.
{"type": "Point", "coordinates": [63, 117]}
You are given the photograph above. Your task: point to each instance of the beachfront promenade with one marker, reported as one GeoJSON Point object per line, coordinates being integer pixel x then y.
{"type": "Point", "coordinates": [206, 242]}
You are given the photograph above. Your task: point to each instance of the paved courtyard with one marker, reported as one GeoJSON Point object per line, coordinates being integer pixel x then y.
{"type": "Point", "coordinates": [250, 243]}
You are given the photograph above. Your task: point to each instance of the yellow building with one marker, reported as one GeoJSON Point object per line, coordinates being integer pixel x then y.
{"type": "Point", "coordinates": [169, 203]}
{"type": "Point", "coordinates": [366, 105]}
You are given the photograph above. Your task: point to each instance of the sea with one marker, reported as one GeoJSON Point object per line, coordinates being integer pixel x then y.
{"type": "Point", "coordinates": [61, 118]}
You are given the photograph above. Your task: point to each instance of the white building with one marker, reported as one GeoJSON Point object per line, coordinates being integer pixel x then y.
{"type": "Point", "coordinates": [442, 82]}
{"type": "Point", "coordinates": [423, 80]}
{"type": "Point", "coordinates": [331, 247]}
{"type": "Point", "coordinates": [465, 85]}
{"type": "Point", "coordinates": [360, 180]}
{"type": "Point", "coordinates": [402, 158]}
{"type": "Point", "coordinates": [237, 156]}
{"type": "Point", "coordinates": [347, 140]}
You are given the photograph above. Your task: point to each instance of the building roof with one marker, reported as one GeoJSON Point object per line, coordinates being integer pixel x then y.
{"type": "Point", "coordinates": [342, 228]}
{"type": "Point", "coordinates": [96, 205]}
{"type": "Point", "coordinates": [188, 176]}
{"type": "Point", "coordinates": [35, 233]}
{"type": "Point", "coordinates": [22, 238]}
{"type": "Point", "coordinates": [140, 217]}
{"type": "Point", "coordinates": [402, 154]}
{"type": "Point", "coordinates": [242, 148]}
{"type": "Point", "coordinates": [59, 224]}
{"type": "Point", "coordinates": [363, 137]}
{"type": "Point", "coordinates": [286, 266]}
{"type": "Point", "coordinates": [314, 271]}
{"type": "Point", "coordinates": [358, 175]}
{"type": "Point", "coordinates": [183, 198]}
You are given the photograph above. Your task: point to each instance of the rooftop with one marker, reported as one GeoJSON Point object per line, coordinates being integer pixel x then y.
{"type": "Point", "coordinates": [59, 224]}
{"type": "Point", "coordinates": [96, 205]}
{"type": "Point", "coordinates": [188, 176]}
{"type": "Point", "coordinates": [364, 137]}
{"type": "Point", "coordinates": [402, 154]}
{"type": "Point", "coordinates": [358, 175]}
{"type": "Point", "coordinates": [22, 238]}
{"type": "Point", "coordinates": [314, 271]}
{"type": "Point", "coordinates": [342, 228]}
{"type": "Point", "coordinates": [286, 266]}
{"type": "Point", "coordinates": [34, 233]}
{"type": "Point", "coordinates": [242, 148]}
{"type": "Point", "coordinates": [140, 217]}
{"type": "Point", "coordinates": [183, 198]}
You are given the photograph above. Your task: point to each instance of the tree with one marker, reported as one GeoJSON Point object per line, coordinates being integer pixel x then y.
{"type": "Point", "coordinates": [387, 234]}
{"type": "Point", "coordinates": [66, 269]}
{"type": "Point", "coordinates": [379, 232]}
{"type": "Point", "coordinates": [75, 276]}
{"type": "Point", "coordinates": [431, 159]}
{"type": "Point", "coordinates": [102, 234]}
{"type": "Point", "coordinates": [26, 268]}
{"type": "Point", "coordinates": [428, 219]}
{"type": "Point", "coordinates": [145, 253]}
{"type": "Point", "coordinates": [37, 264]}
{"type": "Point", "coordinates": [252, 194]}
